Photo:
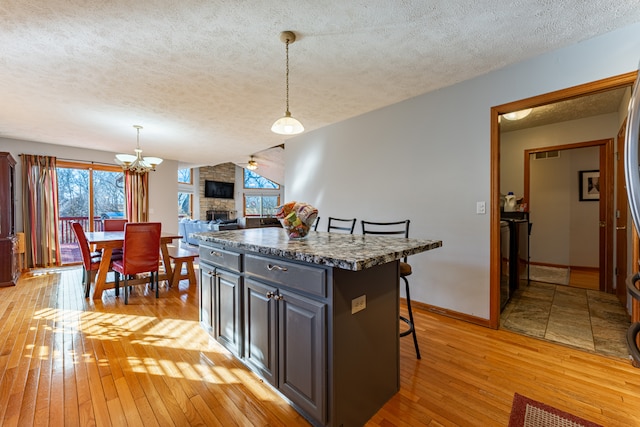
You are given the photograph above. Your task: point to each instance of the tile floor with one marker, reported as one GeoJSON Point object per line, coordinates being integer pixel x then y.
{"type": "Point", "coordinates": [590, 320]}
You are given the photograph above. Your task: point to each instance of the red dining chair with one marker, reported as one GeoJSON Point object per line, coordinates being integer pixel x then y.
{"type": "Point", "coordinates": [140, 253]}
{"type": "Point", "coordinates": [113, 224]}
{"type": "Point", "coordinates": [90, 260]}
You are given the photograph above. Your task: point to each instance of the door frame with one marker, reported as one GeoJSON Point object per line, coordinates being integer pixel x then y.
{"type": "Point", "coordinates": [561, 95]}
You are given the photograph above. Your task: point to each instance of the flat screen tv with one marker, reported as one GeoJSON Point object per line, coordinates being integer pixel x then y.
{"type": "Point", "coordinates": [218, 189]}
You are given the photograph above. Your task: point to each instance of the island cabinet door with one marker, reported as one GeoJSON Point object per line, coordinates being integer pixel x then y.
{"type": "Point", "coordinates": [227, 319]}
{"type": "Point", "coordinates": [207, 277]}
{"type": "Point", "coordinates": [260, 323]}
{"type": "Point", "coordinates": [302, 355]}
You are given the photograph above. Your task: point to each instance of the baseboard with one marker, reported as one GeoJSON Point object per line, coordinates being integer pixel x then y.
{"type": "Point", "coordinates": [450, 313]}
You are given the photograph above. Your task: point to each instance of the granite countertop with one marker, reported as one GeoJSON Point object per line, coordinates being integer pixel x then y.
{"type": "Point", "coordinates": [346, 251]}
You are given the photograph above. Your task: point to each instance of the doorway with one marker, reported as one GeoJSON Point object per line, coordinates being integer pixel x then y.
{"type": "Point", "coordinates": [574, 93]}
{"type": "Point", "coordinates": [567, 188]}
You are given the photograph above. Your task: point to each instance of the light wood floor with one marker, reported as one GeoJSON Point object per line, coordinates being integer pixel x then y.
{"type": "Point", "coordinates": [69, 361]}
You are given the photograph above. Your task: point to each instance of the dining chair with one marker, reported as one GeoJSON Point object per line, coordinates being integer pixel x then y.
{"type": "Point", "coordinates": [315, 224]}
{"type": "Point", "coordinates": [397, 228]}
{"type": "Point", "coordinates": [140, 254]}
{"type": "Point", "coordinates": [91, 260]}
{"type": "Point", "coordinates": [336, 224]}
{"type": "Point", "coordinates": [114, 224]}
{"type": "Point", "coordinates": [111, 224]}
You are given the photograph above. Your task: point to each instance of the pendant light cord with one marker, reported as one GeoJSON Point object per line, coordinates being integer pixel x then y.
{"type": "Point", "coordinates": [287, 74]}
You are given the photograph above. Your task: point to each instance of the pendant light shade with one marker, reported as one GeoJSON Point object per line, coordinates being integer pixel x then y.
{"type": "Point", "coordinates": [517, 115]}
{"type": "Point", "coordinates": [287, 125]}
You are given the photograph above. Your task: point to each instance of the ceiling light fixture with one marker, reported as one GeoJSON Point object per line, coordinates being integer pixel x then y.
{"type": "Point", "coordinates": [137, 163]}
{"type": "Point", "coordinates": [517, 115]}
{"type": "Point", "coordinates": [287, 125]}
{"type": "Point", "coordinates": [252, 164]}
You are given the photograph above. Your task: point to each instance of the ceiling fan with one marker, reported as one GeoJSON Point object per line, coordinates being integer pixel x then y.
{"type": "Point", "coordinates": [252, 164]}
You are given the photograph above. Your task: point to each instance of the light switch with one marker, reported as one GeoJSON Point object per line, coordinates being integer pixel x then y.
{"type": "Point", "coordinates": [481, 208]}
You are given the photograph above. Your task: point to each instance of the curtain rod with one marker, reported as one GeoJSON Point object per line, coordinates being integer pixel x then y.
{"type": "Point", "coordinates": [76, 160]}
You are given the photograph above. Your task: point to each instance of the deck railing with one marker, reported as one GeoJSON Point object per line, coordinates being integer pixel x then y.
{"type": "Point", "coordinates": [66, 231]}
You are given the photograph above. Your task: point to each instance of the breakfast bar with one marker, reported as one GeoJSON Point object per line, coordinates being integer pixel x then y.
{"type": "Point", "coordinates": [317, 318]}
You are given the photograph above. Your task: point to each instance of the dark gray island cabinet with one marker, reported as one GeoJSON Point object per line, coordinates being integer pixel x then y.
{"type": "Point", "coordinates": [316, 318]}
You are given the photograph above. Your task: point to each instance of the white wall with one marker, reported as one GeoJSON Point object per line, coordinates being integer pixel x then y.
{"type": "Point", "coordinates": [428, 159]}
{"type": "Point", "coordinates": [163, 183]}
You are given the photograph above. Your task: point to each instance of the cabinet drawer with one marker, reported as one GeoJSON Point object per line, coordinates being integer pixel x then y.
{"type": "Point", "coordinates": [220, 257]}
{"type": "Point", "coordinates": [296, 276]}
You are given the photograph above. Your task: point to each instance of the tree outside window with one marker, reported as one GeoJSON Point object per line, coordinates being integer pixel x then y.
{"type": "Point", "coordinates": [184, 176]}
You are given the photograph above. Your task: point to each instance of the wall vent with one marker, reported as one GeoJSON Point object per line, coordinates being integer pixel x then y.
{"type": "Point", "coordinates": [547, 155]}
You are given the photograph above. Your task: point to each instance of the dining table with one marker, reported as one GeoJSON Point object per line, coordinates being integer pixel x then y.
{"type": "Point", "coordinates": [107, 241]}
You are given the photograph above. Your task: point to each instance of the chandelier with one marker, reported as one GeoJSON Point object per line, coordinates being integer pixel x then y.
{"type": "Point", "coordinates": [287, 125]}
{"type": "Point", "coordinates": [137, 163]}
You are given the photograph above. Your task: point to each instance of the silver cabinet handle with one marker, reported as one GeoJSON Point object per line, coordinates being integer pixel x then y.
{"type": "Point", "coordinates": [211, 273]}
{"type": "Point", "coordinates": [274, 295]}
{"type": "Point", "coordinates": [214, 253]}
{"type": "Point", "coordinates": [272, 267]}
{"type": "Point", "coordinates": [621, 228]}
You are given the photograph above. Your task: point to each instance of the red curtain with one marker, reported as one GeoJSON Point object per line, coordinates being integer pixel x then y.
{"type": "Point", "coordinates": [136, 191]}
{"type": "Point", "coordinates": [40, 210]}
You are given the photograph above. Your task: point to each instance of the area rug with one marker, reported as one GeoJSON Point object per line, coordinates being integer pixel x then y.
{"type": "Point", "coordinates": [543, 273]}
{"type": "Point", "coordinates": [527, 412]}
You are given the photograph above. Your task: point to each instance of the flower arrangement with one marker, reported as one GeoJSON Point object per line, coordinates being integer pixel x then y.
{"type": "Point", "coordinates": [296, 218]}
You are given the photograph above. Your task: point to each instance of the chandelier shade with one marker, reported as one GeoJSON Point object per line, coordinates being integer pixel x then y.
{"type": "Point", "coordinates": [136, 163]}
{"type": "Point", "coordinates": [287, 125]}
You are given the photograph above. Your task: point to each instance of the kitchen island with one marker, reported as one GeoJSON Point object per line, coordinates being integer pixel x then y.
{"type": "Point", "coordinates": [318, 318]}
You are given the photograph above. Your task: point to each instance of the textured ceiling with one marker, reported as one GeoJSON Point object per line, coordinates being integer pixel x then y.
{"type": "Point", "coordinates": [206, 77]}
{"type": "Point", "coordinates": [572, 109]}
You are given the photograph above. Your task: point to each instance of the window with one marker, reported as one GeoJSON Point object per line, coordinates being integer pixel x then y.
{"type": "Point", "coordinates": [262, 197]}
{"type": "Point", "coordinates": [260, 204]}
{"type": "Point", "coordinates": [87, 193]}
{"type": "Point", "coordinates": [184, 176]}
{"type": "Point", "coordinates": [185, 205]}
{"type": "Point", "coordinates": [253, 180]}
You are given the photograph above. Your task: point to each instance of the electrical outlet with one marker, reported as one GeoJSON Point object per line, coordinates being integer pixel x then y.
{"type": "Point", "coordinates": [481, 208]}
{"type": "Point", "coordinates": [358, 304]}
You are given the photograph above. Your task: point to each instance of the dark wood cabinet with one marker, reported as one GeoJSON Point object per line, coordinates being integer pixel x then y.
{"type": "Point", "coordinates": [226, 309]}
{"type": "Point", "coordinates": [207, 280]}
{"type": "Point", "coordinates": [294, 324]}
{"type": "Point", "coordinates": [9, 271]}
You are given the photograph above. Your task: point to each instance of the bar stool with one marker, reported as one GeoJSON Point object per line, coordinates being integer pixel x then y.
{"type": "Point", "coordinates": [347, 225]}
{"type": "Point", "coordinates": [399, 228]}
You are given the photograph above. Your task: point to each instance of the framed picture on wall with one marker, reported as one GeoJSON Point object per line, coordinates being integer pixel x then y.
{"type": "Point", "coordinates": [589, 185]}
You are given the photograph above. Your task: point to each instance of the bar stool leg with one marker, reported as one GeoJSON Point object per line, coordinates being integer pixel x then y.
{"type": "Point", "coordinates": [412, 328]}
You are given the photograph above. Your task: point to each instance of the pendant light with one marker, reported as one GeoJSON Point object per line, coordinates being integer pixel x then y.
{"type": "Point", "coordinates": [517, 115]}
{"type": "Point", "coordinates": [287, 125]}
{"type": "Point", "coordinates": [137, 163]}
